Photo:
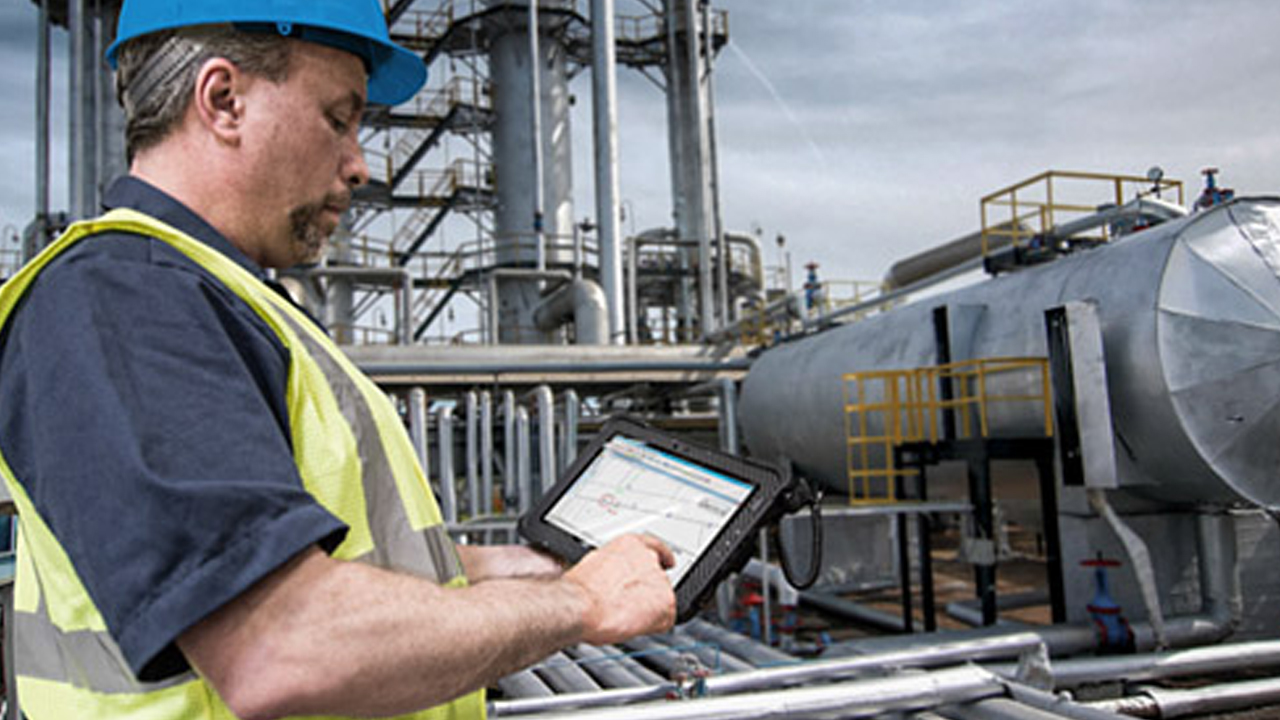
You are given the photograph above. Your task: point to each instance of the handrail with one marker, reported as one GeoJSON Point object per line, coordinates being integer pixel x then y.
{"type": "Point", "coordinates": [1035, 207]}
{"type": "Point", "coordinates": [909, 405]}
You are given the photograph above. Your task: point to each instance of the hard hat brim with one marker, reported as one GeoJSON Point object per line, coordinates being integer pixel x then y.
{"type": "Point", "coordinates": [395, 74]}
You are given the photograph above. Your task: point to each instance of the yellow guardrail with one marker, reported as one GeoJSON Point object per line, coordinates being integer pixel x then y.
{"type": "Point", "coordinates": [1034, 207]}
{"type": "Point", "coordinates": [887, 408]}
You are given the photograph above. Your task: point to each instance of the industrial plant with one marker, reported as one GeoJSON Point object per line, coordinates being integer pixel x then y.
{"type": "Point", "coordinates": [1041, 459]}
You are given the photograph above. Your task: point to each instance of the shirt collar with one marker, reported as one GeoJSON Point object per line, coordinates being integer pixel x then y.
{"type": "Point", "coordinates": [137, 194]}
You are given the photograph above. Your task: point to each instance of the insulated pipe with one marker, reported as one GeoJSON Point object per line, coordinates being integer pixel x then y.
{"type": "Point", "coordinates": [588, 305]}
{"type": "Point", "coordinates": [510, 473]}
{"type": "Point", "coordinates": [715, 657]}
{"type": "Point", "coordinates": [535, 100]}
{"type": "Point", "coordinates": [524, 474]}
{"type": "Point", "coordinates": [756, 271]}
{"type": "Point", "coordinates": [706, 283]}
{"type": "Point", "coordinates": [969, 612]}
{"type": "Point", "coordinates": [42, 133]}
{"type": "Point", "coordinates": [524, 684]}
{"type": "Point", "coordinates": [852, 611]}
{"type": "Point", "coordinates": [656, 652]}
{"type": "Point", "coordinates": [399, 278]}
{"type": "Point", "coordinates": [633, 293]}
{"type": "Point", "coordinates": [713, 163]}
{"type": "Point", "coordinates": [606, 669]}
{"type": "Point", "coordinates": [546, 437]}
{"type": "Point", "coordinates": [564, 675]}
{"type": "Point", "coordinates": [444, 441]}
{"type": "Point", "coordinates": [999, 708]}
{"type": "Point", "coordinates": [486, 453]}
{"type": "Point", "coordinates": [80, 156]}
{"type": "Point", "coordinates": [473, 455]}
{"type": "Point", "coordinates": [604, 73]}
{"type": "Point", "coordinates": [572, 412]}
{"type": "Point", "coordinates": [935, 654]}
{"type": "Point", "coordinates": [1156, 702]}
{"type": "Point", "coordinates": [418, 426]}
{"type": "Point", "coordinates": [1060, 705]}
{"type": "Point", "coordinates": [728, 391]}
{"type": "Point", "coordinates": [1209, 660]}
{"type": "Point", "coordinates": [753, 652]}
{"type": "Point", "coordinates": [863, 697]}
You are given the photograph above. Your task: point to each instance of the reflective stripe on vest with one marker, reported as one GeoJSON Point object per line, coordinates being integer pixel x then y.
{"type": "Point", "coordinates": [354, 458]}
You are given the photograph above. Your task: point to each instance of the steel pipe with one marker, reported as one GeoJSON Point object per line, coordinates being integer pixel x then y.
{"type": "Point", "coordinates": [524, 684]}
{"type": "Point", "coordinates": [399, 278]}
{"type": "Point", "coordinates": [607, 670]}
{"type": "Point", "coordinates": [472, 454]}
{"type": "Point", "coordinates": [1006, 709]}
{"type": "Point", "coordinates": [546, 402]}
{"type": "Point", "coordinates": [712, 655]}
{"type": "Point", "coordinates": [42, 133]}
{"type": "Point", "coordinates": [486, 453]}
{"type": "Point", "coordinates": [1060, 705]}
{"type": "Point", "coordinates": [931, 655]}
{"type": "Point", "coordinates": [418, 426]}
{"type": "Point", "coordinates": [535, 101]}
{"type": "Point", "coordinates": [1166, 703]}
{"type": "Point", "coordinates": [510, 474]}
{"type": "Point", "coordinates": [444, 443]}
{"type": "Point", "coordinates": [851, 699]}
{"type": "Point", "coordinates": [564, 675]}
{"type": "Point", "coordinates": [757, 654]}
{"type": "Point", "coordinates": [524, 473]}
{"type": "Point", "coordinates": [1074, 672]}
{"type": "Point", "coordinates": [569, 436]}
{"type": "Point", "coordinates": [604, 73]}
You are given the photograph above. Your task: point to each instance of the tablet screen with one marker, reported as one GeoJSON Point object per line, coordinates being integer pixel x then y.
{"type": "Point", "coordinates": [632, 487]}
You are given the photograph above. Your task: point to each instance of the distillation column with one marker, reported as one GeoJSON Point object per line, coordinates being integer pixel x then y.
{"type": "Point", "coordinates": [688, 103]}
{"type": "Point", "coordinates": [96, 123]}
{"type": "Point", "coordinates": [534, 183]}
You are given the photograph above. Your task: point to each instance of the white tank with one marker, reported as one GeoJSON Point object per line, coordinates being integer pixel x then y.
{"type": "Point", "coordinates": [1190, 315]}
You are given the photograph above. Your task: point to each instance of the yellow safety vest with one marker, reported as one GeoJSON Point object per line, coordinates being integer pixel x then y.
{"type": "Point", "coordinates": [354, 458]}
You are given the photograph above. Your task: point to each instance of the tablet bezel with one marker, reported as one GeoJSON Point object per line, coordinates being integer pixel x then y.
{"type": "Point", "coordinates": [727, 551]}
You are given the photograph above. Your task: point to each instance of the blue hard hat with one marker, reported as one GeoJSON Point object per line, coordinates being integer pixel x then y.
{"type": "Point", "coordinates": [357, 26]}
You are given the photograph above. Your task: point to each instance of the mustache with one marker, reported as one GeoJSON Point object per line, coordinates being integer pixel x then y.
{"type": "Point", "coordinates": [340, 201]}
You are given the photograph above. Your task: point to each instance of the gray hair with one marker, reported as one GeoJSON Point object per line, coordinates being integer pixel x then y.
{"type": "Point", "coordinates": [156, 74]}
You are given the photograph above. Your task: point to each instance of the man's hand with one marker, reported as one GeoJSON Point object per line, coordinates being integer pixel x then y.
{"type": "Point", "coordinates": [626, 589]}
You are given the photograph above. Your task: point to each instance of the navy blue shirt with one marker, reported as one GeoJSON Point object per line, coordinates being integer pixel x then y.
{"type": "Point", "coordinates": [142, 407]}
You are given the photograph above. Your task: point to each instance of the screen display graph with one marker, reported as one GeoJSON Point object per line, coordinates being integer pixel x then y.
{"type": "Point", "coordinates": [632, 487]}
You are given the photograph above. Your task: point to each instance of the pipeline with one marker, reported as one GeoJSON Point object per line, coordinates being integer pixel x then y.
{"type": "Point", "coordinates": [1074, 672]}
{"type": "Point", "coordinates": [586, 302]}
{"type": "Point", "coordinates": [860, 697]}
{"type": "Point", "coordinates": [936, 654]}
{"type": "Point", "coordinates": [1154, 702]}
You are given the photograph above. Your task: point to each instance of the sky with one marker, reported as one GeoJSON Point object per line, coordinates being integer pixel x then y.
{"type": "Point", "coordinates": [867, 130]}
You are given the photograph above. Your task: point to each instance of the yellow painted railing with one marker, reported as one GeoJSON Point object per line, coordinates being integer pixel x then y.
{"type": "Point", "coordinates": [1035, 206]}
{"type": "Point", "coordinates": [887, 408]}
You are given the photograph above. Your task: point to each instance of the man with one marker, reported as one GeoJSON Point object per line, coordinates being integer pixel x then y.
{"type": "Point", "coordinates": [220, 516]}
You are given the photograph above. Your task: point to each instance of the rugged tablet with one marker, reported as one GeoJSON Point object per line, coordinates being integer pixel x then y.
{"type": "Point", "coordinates": [706, 505]}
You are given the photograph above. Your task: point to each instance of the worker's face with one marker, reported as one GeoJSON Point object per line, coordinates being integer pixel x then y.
{"type": "Point", "coordinates": [305, 153]}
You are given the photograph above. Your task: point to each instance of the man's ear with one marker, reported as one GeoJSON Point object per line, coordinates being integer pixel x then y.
{"type": "Point", "coordinates": [219, 99]}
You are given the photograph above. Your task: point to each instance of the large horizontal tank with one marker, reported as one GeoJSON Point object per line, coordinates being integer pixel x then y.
{"type": "Point", "coordinates": [1190, 316]}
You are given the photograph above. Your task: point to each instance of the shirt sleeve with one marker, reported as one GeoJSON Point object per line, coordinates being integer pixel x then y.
{"type": "Point", "coordinates": [144, 413]}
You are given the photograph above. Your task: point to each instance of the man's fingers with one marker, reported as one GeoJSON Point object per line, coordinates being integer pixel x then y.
{"type": "Point", "coordinates": [665, 556]}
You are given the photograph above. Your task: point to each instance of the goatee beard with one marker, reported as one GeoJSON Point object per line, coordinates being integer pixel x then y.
{"type": "Point", "coordinates": [309, 241]}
